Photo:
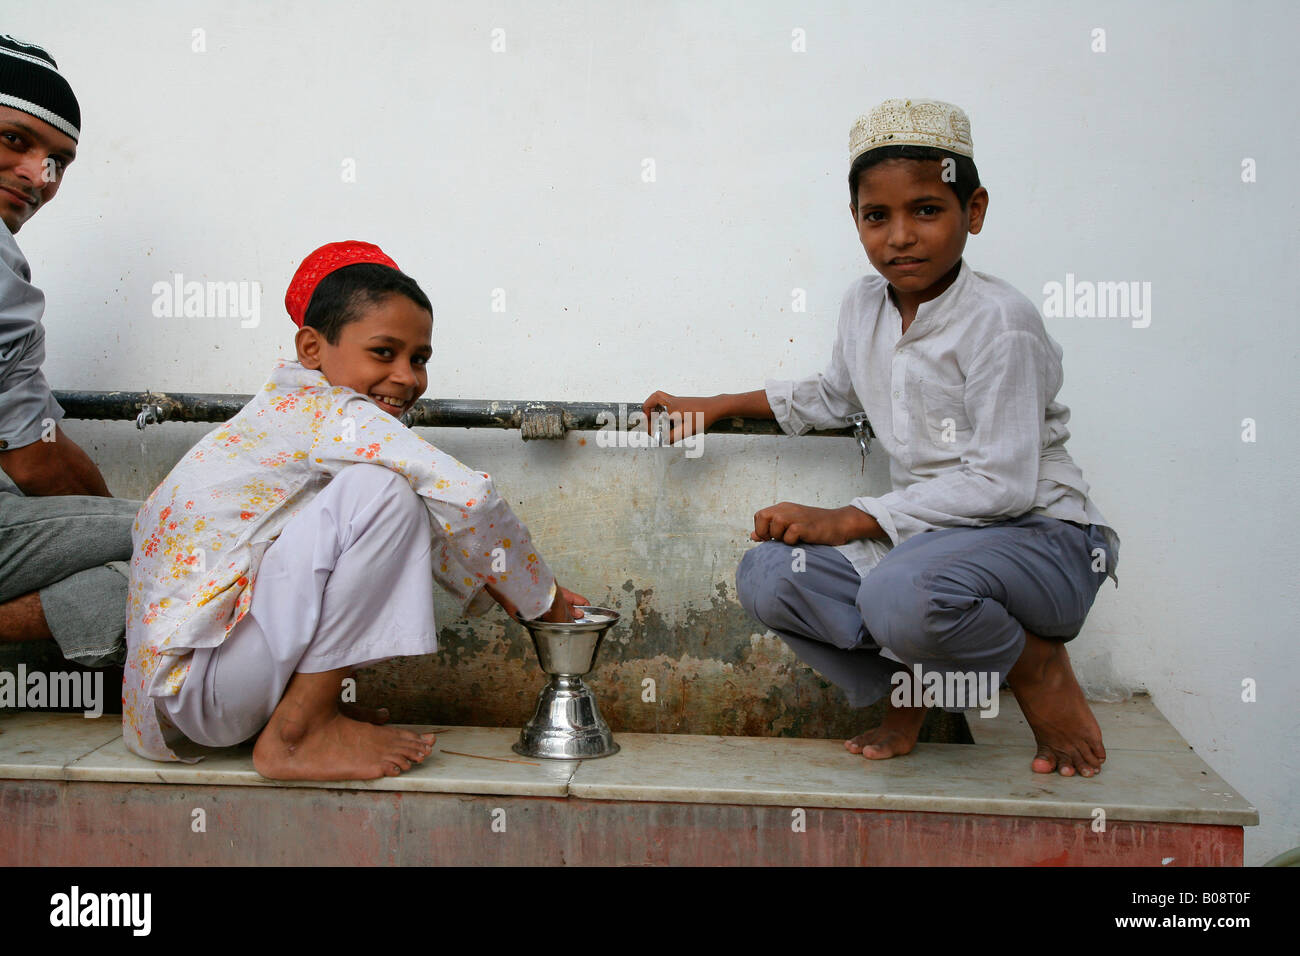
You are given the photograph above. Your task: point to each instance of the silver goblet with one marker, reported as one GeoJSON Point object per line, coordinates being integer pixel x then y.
{"type": "Point", "coordinates": [567, 724]}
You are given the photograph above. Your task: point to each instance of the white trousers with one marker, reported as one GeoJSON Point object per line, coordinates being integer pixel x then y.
{"type": "Point", "coordinates": [347, 583]}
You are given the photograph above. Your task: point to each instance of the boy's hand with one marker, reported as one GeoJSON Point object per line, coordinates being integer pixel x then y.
{"type": "Point", "coordinates": [564, 609]}
{"type": "Point", "coordinates": [688, 415]}
{"type": "Point", "coordinates": [794, 523]}
{"type": "Point", "coordinates": [565, 601]}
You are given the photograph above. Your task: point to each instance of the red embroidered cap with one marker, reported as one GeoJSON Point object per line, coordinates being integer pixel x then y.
{"type": "Point", "coordinates": [326, 259]}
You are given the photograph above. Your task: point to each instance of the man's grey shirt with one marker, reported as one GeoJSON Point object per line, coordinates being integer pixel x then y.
{"type": "Point", "coordinates": [964, 404]}
{"type": "Point", "coordinates": [27, 406]}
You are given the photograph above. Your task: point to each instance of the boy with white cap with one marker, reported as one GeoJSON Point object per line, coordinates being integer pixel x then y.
{"type": "Point", "coordinates": [987, 554]}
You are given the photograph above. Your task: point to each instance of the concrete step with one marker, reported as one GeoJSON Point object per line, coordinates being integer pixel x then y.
{"type": "Point", "coordinates": [71, 794]}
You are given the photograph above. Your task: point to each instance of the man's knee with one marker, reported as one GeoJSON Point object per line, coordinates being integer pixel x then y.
{"type": "Point", "coordinates": [86, 614]}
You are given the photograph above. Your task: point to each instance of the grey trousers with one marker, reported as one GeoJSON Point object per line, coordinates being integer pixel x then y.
{"type": "Point", "coordinates": [72, 549]}
{"type": "Point", "coordinates": [956, 600]}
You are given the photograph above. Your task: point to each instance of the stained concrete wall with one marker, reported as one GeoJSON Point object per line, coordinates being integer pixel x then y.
{"type": "Point", "coordinates": [523, 171]}
{"type": "Point", "coordinates": [650, 532]}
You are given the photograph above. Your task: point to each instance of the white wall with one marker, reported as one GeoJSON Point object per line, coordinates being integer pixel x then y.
{"type": "Point", "coordinates": [521, 170]}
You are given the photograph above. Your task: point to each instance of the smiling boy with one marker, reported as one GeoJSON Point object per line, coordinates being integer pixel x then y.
{"type": "Point", "coordinates": [986, 556]}
{"type": "Point", "coordinates": [300, 540]}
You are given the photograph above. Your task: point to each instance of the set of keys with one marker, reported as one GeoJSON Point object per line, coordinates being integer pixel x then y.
{"type": "Point", "coordinates": [863, 432]}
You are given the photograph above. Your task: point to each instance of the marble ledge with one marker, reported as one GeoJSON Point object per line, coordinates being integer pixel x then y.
{"type": "Point", "coordinates": [938, 778]}
{"type": "Point", "coordinates": [1156, 784]}
{"type": "Point", "coordinates": [1132, 724]}
{"type": "Point", "coordinates": [49, 751]}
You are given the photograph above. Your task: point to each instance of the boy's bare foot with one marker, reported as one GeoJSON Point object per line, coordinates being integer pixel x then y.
{"type": "Point", "coordinates": [895, 736]}
{"type": "Point", "coordinates": [1068, 736]}
{"type": "Point", "coordinates": [369, 715]}
{"type": "Point", "coordinates": [307, 738]}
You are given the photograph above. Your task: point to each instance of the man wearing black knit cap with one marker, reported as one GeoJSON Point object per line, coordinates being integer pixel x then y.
{"type": "Point", "coordinates": [63, 538]}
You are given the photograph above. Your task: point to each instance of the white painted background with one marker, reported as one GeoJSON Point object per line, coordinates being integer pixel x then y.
{"type": "Point", "coordinates": [521, 170]}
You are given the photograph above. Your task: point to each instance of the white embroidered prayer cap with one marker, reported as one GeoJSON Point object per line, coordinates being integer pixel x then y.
{"type": "Point", "coordinates": [912, 123]}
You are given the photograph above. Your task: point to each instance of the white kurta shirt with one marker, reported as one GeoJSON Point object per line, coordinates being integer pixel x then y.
{"type": "Point", "coordinates": [963, 403]}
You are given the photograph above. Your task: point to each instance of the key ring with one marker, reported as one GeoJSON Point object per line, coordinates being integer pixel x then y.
{"type": "Point", "coordinates": [863, 432]}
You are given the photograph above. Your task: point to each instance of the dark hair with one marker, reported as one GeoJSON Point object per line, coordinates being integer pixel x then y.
{"type": "Point", "coordinates": [967, 181]}
{"type": "Point", "coordinates": [344, 293]}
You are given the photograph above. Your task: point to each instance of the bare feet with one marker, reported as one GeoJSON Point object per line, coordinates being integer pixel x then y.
{"type": "Point", "coordinates": [895, 736]}
{"type": "Point", "coordinates": [368, 715]}
{"type": "Point", "coordinates": [307, 738]}
{"type": "Point", "coordinates": [1067, 733]}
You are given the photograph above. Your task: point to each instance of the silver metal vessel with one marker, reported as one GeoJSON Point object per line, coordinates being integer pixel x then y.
{"type": "Point", "coordinates": [567, 724]}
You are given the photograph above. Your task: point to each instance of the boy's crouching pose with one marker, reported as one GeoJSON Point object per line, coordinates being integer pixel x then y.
{"type": "Point", "coordinates": [987, 554]}
{"type": "Point", "coordinates": [301, 539]}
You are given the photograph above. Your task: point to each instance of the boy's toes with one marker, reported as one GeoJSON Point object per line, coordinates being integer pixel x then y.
{"type": "Point", "coordinates": [395, 766]}
{"type": "Point", "coordinates": [1094, 755]}
{"type": "Point", "coordinates": [1044, 760]}
{"type": "Point", "coordinates": [1080, 762]}
{"type": "Point", "coordinates": [415, 754]}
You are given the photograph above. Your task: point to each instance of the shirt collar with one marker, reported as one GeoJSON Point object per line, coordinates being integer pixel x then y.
{"type": "Point", "coordinates": [938, 310]}
{"type": "Point", "coordinates": [292, 373]}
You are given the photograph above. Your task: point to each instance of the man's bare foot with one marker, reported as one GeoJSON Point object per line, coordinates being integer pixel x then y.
{"type": "Point", "coordinates": [895, 736]}
{"type": "Point", "coordinates": [1068, 736]}
{"type": "Point", "coordinates": [307, 738]}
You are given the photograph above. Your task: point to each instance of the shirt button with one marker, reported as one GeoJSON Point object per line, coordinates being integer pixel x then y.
{"type": "Point", "coordinates": [896, 395]}
{"type": "Point", "coordinates": [3, 444]}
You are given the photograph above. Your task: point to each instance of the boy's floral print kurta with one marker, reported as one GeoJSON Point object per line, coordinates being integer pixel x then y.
{"type": "Point", "coordinates": [199, 538]}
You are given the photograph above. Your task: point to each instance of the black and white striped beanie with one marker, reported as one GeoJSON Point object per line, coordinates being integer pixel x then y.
{"type": "Point", "coordinates": [30, 81]}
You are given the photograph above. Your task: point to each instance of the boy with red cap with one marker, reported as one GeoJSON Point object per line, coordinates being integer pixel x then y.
{"type": "Point", "coordinates": [294, 544]}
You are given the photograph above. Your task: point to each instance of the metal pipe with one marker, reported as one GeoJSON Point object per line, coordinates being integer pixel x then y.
{"type": "Point", "coordinates": [155, 407]}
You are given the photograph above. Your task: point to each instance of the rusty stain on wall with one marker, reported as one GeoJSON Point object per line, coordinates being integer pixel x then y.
{"type": "Point", "coordinates": [716, 671]}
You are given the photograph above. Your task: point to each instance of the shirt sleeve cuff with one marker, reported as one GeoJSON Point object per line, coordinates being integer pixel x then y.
{"type": "Point", "coordinates": [531, 614]}
{"type": "Point", "coordinates": [780, 396]}
{"type": "Point", "coordinates": [30, 413]}
{"type": "Point", "coordinates": [883, 516]}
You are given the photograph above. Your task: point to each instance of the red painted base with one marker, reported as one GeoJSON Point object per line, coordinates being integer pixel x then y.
{"type": "Point", "coordinates": [44, 822]}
